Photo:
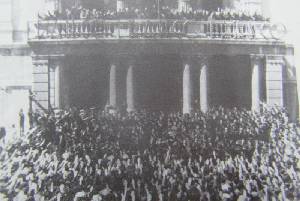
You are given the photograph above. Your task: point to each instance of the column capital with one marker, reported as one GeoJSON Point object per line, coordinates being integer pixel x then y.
{"type": "Point", "coordinates": [57, 57]}
{"type": "Point", "coordinates": [131, 61]}
{"type": "Point", "coordinates": [40, 62]}
{"type": "Point", "coordinates": [275, 59]}
{"type": "Point", "coordinates": [202, 59]}
{"type": "Point", "coordinates": [187, 59]}
{"type": "Point", "coordinates": [123, 59]}
{"type": "Point", "coordinates": [256, 57]}
{"type": "Point", "coordinates": [113, 60]}
{"type": "Point", "coordinates": [195, 60]}
{"type": "Point", "coordinates": [56, 60]}
{"type": "Point", "coordinates": [48, 56]}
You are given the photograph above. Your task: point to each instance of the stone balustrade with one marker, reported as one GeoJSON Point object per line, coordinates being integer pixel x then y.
{"type": "Point", "coordinates": [154, 28]}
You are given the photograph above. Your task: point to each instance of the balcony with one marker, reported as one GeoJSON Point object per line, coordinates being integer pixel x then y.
{"type": "Point", "coordinates": [68, 30]}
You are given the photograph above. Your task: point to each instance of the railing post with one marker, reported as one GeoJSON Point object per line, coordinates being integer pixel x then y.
{"type": "Point", "coordinates": [210, 28]}
{"type": "Point", "coordinates": [67, 29]}
{"type": "Point", "coordinates": [235, 29]}
{"type": "Point", "coordinates": [131, 28]}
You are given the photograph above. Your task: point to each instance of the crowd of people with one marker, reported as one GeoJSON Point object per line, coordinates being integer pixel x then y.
{"type": "Point", "coordinates": [80, 13]}
{"type": "Point", "coordinates": [224, 154]}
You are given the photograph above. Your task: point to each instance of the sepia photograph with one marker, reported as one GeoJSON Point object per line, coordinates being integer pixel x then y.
{"type": "Point", "coordinates": [149, 100]}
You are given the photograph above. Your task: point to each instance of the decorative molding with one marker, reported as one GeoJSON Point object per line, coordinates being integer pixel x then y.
{"type": "Point", "coordinates": [40, 62]}
{"type": "Point", "coordinates": [275, 60]}
{"type": "Point", "coordinates": [15, 50]}
{"type": "Point", "coordinates": [202, 60]}
{"type": "Point", "coordinates": [257, 59]}
{"type": "Point", "coordinates": [195, 60]}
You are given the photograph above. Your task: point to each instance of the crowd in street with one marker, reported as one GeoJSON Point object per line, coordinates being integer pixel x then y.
{"type": "Point", "coordinates": [80, 13]}
{"type": "Point", "coordinates": [224, 154]}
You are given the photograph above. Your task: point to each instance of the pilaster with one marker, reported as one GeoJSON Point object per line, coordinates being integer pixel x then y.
{"type": "Point", "coordinates": [274, 80]}
{"type": "Point", "coordinates": [257, 65]}
{"type": "Point", "coordinates": [59, 87]}
{"type": "Point", "coordinates": [204, 83]}
{"type": "Point", "coordinates": [187, 85]}
{"type": "Point", "coordinates": [41, 87]}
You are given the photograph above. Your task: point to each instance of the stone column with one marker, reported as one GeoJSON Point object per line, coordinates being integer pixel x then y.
{"type": "Point", "coordinates": [113, 86]}
{"type": "Point", "coordinates": [130, 92]}
{"type": "Point", "coordinates": [204, 104]}
{"type": "Point", "coordinates": [41, 87]}
{"type": "Point", "coordinates": [274, 80]}
{"type": "Point", "coordinates": [120, 5]}
{"type": "Point", "coordinates": [290, 87]}
{"type": "Point", "coordinates": [184, 5]}
{"type": "Point", "coordinates": [187, 89]}
{"type": "Point", "coordinates": [57, 100]}
{"type": "Point", "coordinates": [65, 93]}
{"type": "Point", "coordinates": [256, 84]}
{"type": "Point", "coordinates": [59, 86]}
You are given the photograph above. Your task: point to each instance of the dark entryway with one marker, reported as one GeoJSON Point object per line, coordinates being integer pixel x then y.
{"type": "Point", "coordinates": [159, 83]}
{"type": "Point", "coordinates": [230, 81]}
{"type": "Point", "coordinates": [88, 79]}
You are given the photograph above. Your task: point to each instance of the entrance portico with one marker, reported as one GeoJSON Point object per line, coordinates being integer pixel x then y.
{"type": "Point", "coordinates": [152, 82]}
{"type": "Point", "coordinates": [161, 74]}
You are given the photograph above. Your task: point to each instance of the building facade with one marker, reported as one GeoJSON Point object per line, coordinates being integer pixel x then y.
{"type": "Point", "coordinates": [161, 65]}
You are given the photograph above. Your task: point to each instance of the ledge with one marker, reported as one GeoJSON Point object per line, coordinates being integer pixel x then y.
{"type": "Point", "coordinates": [155, 40]}
{"type": "Point", "coordinates": [15, 49]}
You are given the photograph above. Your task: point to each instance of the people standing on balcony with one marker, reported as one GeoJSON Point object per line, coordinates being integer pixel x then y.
{"type": "Point", "coordinates": [91, 21]}
{"type": "Point", "coordinates": [75, 13]}
{"type": "Point", "coordinates": [83, 18]}
{"type": "Point", "coordinates": [68, 14]}
{"type": "Point", "coordinates": [152, 13]}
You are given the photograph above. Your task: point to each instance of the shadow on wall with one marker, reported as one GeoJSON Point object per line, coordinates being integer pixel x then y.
{"type": "Point", "coordinates": [159, 83]}
{"type": "Point", "coordinates": [230, 81]}
{"type": "Point", "coordinates": [88, 78]}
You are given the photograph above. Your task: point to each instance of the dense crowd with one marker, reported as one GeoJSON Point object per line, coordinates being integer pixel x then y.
{"type": "Point", "coordinates": [225, 154]}
{"type": "Point", "coordinates": [80, 13]}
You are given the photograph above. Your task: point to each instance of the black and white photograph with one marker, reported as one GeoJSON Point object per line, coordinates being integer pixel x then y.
{"type": "Point", "coordinates": [149, 100]}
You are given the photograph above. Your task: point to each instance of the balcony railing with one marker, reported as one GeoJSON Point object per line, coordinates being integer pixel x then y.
{"type": "Point", "coordinates": [116, 29]}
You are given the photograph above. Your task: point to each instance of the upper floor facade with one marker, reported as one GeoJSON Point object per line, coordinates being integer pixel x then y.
{"type": "Point", "coordinates": [23, 21]}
